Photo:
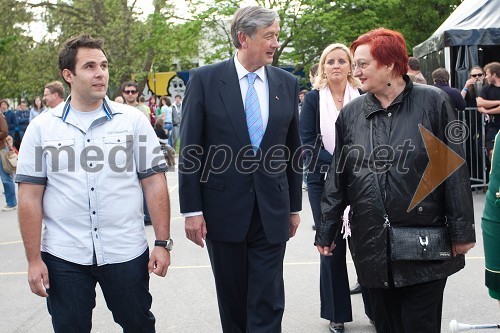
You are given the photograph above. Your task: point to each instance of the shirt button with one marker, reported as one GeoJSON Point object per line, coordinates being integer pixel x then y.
{"type": "Point", "coordinates": [88, 140]}
{"type": "Point", "coordinates": [91, 188]}
{"type": "Point", "coordinates": [93, 212]}
{"type": "Point", "coordinates": [420, 209]}
{"type": "Point", "coordinates": [386, 284]}
{"type": "Point", "coordinates": [90, 164]}
{"type": "Point", "coordinates": [389, 114]}
{"type": "Point", "coordinates": [95, 229]}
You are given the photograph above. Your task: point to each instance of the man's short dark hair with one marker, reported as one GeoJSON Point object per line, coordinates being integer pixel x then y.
{"type": "Point", "coordinates": [441, 75]}
{"type": "Point", "coordinates": [67, 55]}
{"type": "Point", "coordinates": [414, 63]}
{"type": "Point", "coordinates": [303, 92]}
{"type": "Point", "coordinates": [130, 84]}
{"type": "Point", "coordinates": [178, 96]}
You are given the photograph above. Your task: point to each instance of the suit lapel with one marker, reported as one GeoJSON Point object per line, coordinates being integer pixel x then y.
{"type": "Point", "coordinates": [276, 100]}
{"type": "Point", "coordinates": [231, 97]}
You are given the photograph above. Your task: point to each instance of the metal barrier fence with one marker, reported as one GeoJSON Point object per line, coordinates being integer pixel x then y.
{"type": "Point", "coordinates": [476, 155]}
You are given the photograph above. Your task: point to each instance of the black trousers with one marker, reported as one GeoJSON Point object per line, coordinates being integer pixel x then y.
{"type": "Point", "coordinates": [411, 309]}
{"type": "Point", "coordinates": [334, 281]}
{"type": "Point", "coordinates": [249, 281]}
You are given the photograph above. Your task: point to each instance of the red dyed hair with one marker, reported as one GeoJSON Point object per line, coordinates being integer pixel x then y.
{"type": "Point", "coordinates": [387, 47]}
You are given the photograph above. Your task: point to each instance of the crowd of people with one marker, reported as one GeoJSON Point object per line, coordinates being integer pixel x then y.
{"type": "Point", "coordinates": [355, 142]}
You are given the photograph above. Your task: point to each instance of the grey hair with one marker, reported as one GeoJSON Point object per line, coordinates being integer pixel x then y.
{"type": "Point", "coordinates": [250, 19]}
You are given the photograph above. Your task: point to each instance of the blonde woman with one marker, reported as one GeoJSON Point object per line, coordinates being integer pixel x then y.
{"type": "Point", "coordinates": [334, 87]}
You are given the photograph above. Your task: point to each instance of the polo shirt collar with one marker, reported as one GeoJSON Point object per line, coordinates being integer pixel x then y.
{"type": "Point", "coordinates": [62, 110]}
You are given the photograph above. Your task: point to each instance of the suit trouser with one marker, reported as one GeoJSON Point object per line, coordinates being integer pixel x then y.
{"type": "Point", "coordinates": [334, 282]}
{"type": "Point", "coordinates": [411, 309]}
{"type": "Point", "coordinates": [249, 281]}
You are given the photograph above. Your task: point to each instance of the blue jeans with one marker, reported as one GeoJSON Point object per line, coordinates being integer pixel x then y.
{"type": "Point", "coordinates": [8, 186]}
{"type": "Point", "coordinates": [125, 287]}
{"type": "Point", "coordinates": [168, 127]}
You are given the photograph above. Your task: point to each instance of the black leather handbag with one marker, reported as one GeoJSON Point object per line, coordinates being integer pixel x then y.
{"type": "Point", "coordinates": [419, 243]}
{"type": "Point", "coordinates": [414, 243]}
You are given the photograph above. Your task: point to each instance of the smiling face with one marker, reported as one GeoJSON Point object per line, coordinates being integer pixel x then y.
{"type": "Point", "coordinates": [90, 80]}
{"type": "Point", "coordinates": [337, 66]}
{"type": "Point", "coordinates": [372, 79]}
{"type": "Point", "coordinates": [258, 50]}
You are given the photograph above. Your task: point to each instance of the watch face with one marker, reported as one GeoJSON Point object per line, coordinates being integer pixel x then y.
{"type": "Point", "coordinates": [170, 244]}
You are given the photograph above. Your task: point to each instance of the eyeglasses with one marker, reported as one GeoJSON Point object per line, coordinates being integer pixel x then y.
{"type": "Point", "coordinates": [477, 75]}
{"type": "Point", "coordinates": [361, 64]}
{"type": "Point", "coordinates": [130, 92]}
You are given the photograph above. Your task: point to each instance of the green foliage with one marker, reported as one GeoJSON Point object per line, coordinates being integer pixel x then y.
{"type": "Point", "coordinates": [137, 44]}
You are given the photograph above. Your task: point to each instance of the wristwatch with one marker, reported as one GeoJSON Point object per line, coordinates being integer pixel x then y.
{"type": "Point", "coordinates": [168, 244]}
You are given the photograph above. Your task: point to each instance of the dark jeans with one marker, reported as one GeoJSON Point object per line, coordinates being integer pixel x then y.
{"type": "Point", "coordinates": [125, 287]}
{"type": "Point", "coordinates": [411, 309]}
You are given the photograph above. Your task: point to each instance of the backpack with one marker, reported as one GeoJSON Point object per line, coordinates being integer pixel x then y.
{"type": "Point", "coordinates": [176, 117]}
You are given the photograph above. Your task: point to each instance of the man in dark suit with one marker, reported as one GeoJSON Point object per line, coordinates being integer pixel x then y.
{"type": "Point", "coordinates": [239, 174]}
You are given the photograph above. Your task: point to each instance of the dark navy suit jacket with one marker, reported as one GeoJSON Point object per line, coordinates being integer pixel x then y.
{"type": "Point", "coordinates": [214, 140]}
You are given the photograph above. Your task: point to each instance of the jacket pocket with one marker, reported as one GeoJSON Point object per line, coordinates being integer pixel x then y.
{"type": "Point", "coordinates": [214, 183]}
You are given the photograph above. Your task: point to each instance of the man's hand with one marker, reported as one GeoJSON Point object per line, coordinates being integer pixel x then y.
{"type": "Point", "coordinates": [461, 248]}
{"type": "Point", "coordinates": [196, 229]}
{"type": "Point", "coordinates": [38, 277]}
{"type": "Point", "coordinates": [159, 261]}
{"type": "Point", "coordinates": [326, 250]}
{"type": "Point", "coordinates": [294, 223]}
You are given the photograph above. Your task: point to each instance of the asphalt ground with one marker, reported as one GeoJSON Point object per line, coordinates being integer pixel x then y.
{"type": "Point", "coordinates": [185, 300]}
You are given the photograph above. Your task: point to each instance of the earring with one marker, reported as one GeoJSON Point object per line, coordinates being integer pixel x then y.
{"type": "Point", "coordinates": [388, 83]}
{"type": "Point", "coordinates": [349, 74]}
{"type": "Point", "coordinates": [324, 75]}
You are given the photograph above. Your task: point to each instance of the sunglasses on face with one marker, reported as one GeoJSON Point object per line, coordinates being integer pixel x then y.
{"type": "Point", "coordinates": [476, 75]}
{"type": "Point", "coordinates": [130, 92]}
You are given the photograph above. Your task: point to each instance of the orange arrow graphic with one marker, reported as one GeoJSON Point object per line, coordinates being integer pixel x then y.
{"type": "Point", "coordinates": [443, 161]}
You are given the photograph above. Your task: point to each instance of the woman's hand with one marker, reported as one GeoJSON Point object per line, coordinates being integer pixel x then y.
{"type": "Point", "coordinates": [326, 250]}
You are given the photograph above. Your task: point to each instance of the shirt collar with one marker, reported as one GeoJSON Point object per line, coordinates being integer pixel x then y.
{"type": "Point", "coordinates": [242, 72]}
{"type": "Point", "coordinates": [62, 110]}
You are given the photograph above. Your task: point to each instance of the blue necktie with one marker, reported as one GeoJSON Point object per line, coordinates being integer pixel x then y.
{"type": "Point", "coordinates": [252, 111]}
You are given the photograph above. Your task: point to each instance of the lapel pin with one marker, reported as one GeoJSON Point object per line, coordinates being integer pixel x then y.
{"type": "Point", "coordinates": [277, 98]}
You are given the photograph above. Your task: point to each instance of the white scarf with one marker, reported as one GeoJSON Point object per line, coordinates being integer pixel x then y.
{"type": "Point", "coordinates": [328, 114]}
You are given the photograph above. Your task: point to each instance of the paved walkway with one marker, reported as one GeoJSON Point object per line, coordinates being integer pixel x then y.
{"type": "Point", "coordinates": [185, 300]}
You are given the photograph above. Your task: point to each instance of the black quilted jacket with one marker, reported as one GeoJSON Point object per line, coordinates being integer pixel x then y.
{"type": "Point", "coordinates": [401, 158]}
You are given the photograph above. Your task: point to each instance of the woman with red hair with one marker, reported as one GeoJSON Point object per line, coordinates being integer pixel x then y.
{"type": "Point", "coordinates": [380, 162]}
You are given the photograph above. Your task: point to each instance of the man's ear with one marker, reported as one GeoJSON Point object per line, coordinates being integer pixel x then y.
{"type": "Point", "coordinates": [243, 39]}
{"type": "Point", "coordinates": [67, 75]}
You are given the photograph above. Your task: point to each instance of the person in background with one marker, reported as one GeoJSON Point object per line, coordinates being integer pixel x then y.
{"type": "Point", "coordinates": [441, 79]}
{"type": "Point", "coordinates": [489, 103]}
{"type": "Point", "coordinates": [377, 176]}
{"type": "Point", "coordinates": [23, 120]}
{"type": "Point", "coordinates": [130, 93]}
{"type": "Point", "coordinates": [176, 119]}
{"type": "Point", "coordinates": [473, 86]}
{"type": "Point", "coordinates": [53, 94]}
{"type": "Point", "coordinates": [302, 93]}
{"type": "Point", "coordinates": [490, 225]}
{"type": "Point", "coordinates": [247, 212]}
{"type": "Point", "coordinates": [143, 107]}
{"type": "Point", "coordinates": [414, 68]}
{"type": "Point", "coordinates": [11, 118]}
{"type": "Point", "coordinates": [152, 105]}
{"type": "Point", "coordinates": [334, 87]}
{"type": "Point", "coordinates": [313, 71]}
{"type": "Point", "coordinates": [166, 115]}
{"type": "Point", "coordinates": [37, 108]}
{"type": "Point", "coordinates": [96, 235]}
{"type": "Point", "coordinates": [119, 99]}
{"type": "Point", "coordinates": [9, 188]}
